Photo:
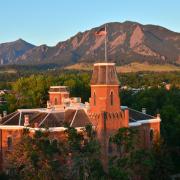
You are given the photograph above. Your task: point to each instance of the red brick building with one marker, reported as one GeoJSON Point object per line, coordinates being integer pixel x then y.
{"type": "Point", "coordinates": [104, 112]}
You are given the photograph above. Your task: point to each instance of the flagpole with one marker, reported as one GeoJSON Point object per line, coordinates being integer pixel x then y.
{"type": "Point", "coordinates": [105, 48]}
{"type": "Point", "coordinates": [105, 45]}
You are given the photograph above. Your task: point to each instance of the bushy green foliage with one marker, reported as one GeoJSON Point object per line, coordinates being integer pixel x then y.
{"type": "Point", "coordinates": [146, 79]}
{"type": "Point", "coordinates": [84, 151]}
{"type": "Point", "coordinates": [163, 165]}
{"type": "Point", "coordinates": [129, 161]}
{"type": "Point", "coordinates": [31, 92]}
{"type": "Point", "coordinates": [37, 157]}
{"type": "Point", "coordinates": [167, 103]}
{"type": "Point", "coordinates": [40, 157]}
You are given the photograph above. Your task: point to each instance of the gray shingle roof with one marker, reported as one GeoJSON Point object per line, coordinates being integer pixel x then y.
{"type": "Point", "coordinates": [137, 115]}
{"type": "Point", "coordinates": [49, 119]}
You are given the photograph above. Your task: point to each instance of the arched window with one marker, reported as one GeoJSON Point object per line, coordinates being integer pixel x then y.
{"type": "Point", "coordinates": [9, 143]}
{"type": "Point", "coordinates": [55, 101]}
{"type": "Point", "coordinates": [151, 135]}
{"type": "Point", "coordinates": [111, 98]}
{"type": "Point", "coordinates": [94, 99]}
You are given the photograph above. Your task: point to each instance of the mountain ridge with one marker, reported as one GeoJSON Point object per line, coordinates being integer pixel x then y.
{"type": "Point", "coordinates": [127, 42]}
{"type": "Point", "coordinates": [9, 51]}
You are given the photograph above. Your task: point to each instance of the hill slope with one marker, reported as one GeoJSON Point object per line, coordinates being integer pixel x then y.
{"type": "Point", "coordinates": [132, 67]}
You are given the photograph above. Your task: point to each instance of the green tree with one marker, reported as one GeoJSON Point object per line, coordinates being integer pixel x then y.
{"type": "Point", "coordinates": [37, 157]}
{"type": "Point", "coordinates": [84, 152]}
{"type": "Point", "coordinates": [163, 165]}
{"type": "Point", "coordinates": [129, 161]}
{"type": "Point", "coordinates": [29, 92]}
{"type": "Point", "coordinates": [167, 103]}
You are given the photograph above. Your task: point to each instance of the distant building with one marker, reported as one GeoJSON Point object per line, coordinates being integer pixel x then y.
{"type": "Point", "coordinates": [104, 112]}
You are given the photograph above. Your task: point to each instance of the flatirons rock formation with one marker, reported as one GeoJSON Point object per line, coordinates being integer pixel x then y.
{"type": "Point", "coordinates": [127, 42]}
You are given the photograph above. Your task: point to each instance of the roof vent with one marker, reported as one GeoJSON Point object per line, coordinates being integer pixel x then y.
{"type": "Point", "coordinates": [144, 110]}
{"type": "Point", "coordinates": [26, 120]}
{"type": "Point", "coordinates": [36, 125]}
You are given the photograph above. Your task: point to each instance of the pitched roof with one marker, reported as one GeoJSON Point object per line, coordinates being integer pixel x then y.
{"type": "Point", "coordinates": [49, 118]}
{"type": "Point", "coordinates": [80, 119]}
{"type": "Point", "coordinates": [104, 74]}
{"type": "Point", "coordinates": [138, 116]}
{"type": "Point", "coordinates": [11, 119]}
{"type": "Point", "coordinates": [53, 118]}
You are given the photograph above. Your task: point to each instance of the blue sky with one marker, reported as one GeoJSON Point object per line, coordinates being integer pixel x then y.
{"type": "Point", "coordinates": [51, 21]}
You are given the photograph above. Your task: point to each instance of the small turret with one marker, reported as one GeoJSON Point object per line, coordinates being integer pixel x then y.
{"type": "Point", "coordinates": [57, 94]}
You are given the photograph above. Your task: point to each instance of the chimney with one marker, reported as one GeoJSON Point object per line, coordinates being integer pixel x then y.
{"type": "Point", "coordinates": [144, 110]}
{"type": "Point", "coordinates": [36, 125]}
{"type": "Point", "coordinates": [48, 104]}
{"type": "Point", "coordinates": [26, 120]}
{"type": "Point", "coordinates": [158, 116]}
{"type": "Point", "coordinates": [4, 113]}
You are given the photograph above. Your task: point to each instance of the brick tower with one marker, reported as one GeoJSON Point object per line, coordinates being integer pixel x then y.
{"type": "Point", "coordinates": [105, 111]}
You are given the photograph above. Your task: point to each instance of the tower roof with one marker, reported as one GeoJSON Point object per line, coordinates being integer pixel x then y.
{"type": "Point", "coordinates": [104, 74]}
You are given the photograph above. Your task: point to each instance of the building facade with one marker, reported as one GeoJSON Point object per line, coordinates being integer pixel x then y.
{"type": "Point", "coordinates": [103, 111]}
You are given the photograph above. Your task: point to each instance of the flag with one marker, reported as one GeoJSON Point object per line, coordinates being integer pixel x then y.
{"type": "Point", "coordinates": [101, 32]}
